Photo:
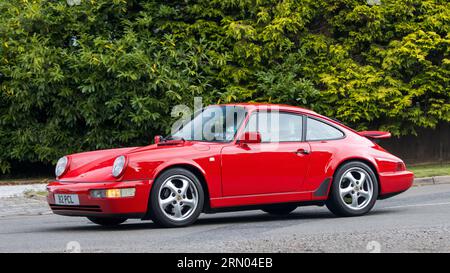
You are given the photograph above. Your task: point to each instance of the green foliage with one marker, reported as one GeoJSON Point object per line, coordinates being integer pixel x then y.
{"type": "Point", "coordinates": [107, 73]}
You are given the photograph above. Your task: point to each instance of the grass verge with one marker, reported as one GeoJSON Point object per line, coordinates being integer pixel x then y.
{"type": "Point", "coordinates": [35, 180]}
{"type": "Point", "coordinates": [430, 170]}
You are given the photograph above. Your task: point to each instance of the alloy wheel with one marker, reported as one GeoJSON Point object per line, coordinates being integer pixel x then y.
{"type": "Point", "coordinates": [178, 197]}
{"type": "Point", "coordinates": [356, 188]}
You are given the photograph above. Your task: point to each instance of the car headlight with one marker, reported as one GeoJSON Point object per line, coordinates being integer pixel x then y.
{"type": "Point", "coordinates": [119, 166]}
{"type": "Point", "coordinates": [61, 166]}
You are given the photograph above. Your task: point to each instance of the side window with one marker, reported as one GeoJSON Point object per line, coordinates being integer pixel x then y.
{"type": "Point", "coordinates": [317, 130]}
{"type": "Point", "coordinates": [276, 126]}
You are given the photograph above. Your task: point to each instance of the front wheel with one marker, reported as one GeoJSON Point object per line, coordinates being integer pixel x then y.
{"type": "Point", "coordinates": [176, 198]}
{"type": "Point", "coordinates": [106, 221]}
{"type": "Point", "coordinates": [354, 190]}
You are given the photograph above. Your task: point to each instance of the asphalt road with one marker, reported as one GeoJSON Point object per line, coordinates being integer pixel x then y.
{"type": "Point", "coordinates": [416, 221]}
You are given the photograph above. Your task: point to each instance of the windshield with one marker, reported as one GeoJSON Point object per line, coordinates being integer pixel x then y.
{"type": "Point", "coordinates": [212, 124]}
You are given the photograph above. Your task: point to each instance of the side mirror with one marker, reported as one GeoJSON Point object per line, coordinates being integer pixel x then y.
{"type": "Point", "coordinates": [250, 137]}
{"type": "Point", "coordinates": [157, 139]}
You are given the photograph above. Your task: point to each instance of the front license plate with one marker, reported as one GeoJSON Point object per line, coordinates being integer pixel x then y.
{"type": "Point", "coordinates": [67, 199]}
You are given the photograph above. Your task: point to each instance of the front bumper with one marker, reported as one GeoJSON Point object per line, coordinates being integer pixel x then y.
{"type": "Point", "coordinates": [129, 207]}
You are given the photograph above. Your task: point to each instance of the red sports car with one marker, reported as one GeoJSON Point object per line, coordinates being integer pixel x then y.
{"type": "Point", "coordinates": [231, 157]}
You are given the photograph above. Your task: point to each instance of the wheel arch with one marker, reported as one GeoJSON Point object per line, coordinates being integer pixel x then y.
{"type": "Point", "coordinates": [196, 171]}
{"type": "Point", "coordinates": [369, 163]}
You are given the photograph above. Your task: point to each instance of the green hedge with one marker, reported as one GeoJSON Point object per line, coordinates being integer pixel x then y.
{"type": "Point", "coordinates": [105, 73]}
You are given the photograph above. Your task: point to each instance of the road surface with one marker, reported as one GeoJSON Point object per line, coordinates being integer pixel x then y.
{"type": "Point", "coordinates": [415, 221]}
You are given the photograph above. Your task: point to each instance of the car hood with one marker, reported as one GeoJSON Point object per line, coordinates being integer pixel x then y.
{"type": "Point", "coordinates": [96, 166]}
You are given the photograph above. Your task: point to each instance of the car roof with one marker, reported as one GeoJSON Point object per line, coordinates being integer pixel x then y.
{"type": "Point", "coordinates": [255, 105]}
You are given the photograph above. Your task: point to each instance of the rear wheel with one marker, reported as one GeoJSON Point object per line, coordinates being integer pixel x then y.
{"type": "Point", "coordinates": [354, 190]}
{"type": "Point", "coordinates": [176, 199]}
{"type": "Point", "coordinates": [280, 209]}
{"type": "Point", "coordinates": [106, 221]}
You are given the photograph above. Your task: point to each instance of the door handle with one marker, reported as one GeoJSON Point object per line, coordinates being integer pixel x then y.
{"type": "Point", "coordinates": [302, 151]}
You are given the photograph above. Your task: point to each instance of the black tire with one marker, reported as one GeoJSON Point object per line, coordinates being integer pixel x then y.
{"type": "Point", "coordinates": [107, 221]}
{"type": "Point", "coordinates": [155, 211]}
{"type": "Point", "coordinates": [335, 203]}
{"type": "Point", "coordinates": [279, 210]}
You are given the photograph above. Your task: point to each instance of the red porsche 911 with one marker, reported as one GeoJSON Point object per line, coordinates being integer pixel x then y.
{"type": "Point", "coordinates": [231, 157]}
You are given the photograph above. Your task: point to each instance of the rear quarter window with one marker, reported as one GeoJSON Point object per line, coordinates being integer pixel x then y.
{"type": "Point", "coordinates": [318, 130]}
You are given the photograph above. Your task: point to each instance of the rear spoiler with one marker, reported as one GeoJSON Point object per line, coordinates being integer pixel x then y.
{"type": "Point", "coordinates": [375, 134]}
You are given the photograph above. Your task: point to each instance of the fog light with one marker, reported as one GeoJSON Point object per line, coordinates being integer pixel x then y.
{"type": "Point", "coordinates": [128, 192]}
{"type": "Point", "coordinates": [113, 193]}
{"type": "Point", "coordinates": [98, 193]}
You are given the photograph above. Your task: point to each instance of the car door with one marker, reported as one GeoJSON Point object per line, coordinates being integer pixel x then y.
{"type": "Point", "coordinates": [276, 165]}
